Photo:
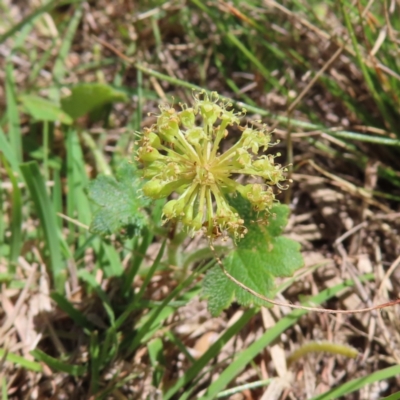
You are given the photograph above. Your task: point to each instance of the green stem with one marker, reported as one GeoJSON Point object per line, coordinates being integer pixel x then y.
{"type": "Point", "coordinates": [101, 163]}
{"type": "Point", "coordinates": [182, 140]}
{"type": "Point", "coordinates": [46, 150]}
{"type": "Point", "coordinates": [210, 212]}
{"type": "Point", "coordinates": [173, 253]}
{"type": "Point", "coordinates": [318, 347]}
{"type": "Point", "coordinates": [219, 136]}
{"type": "Point", "coordinates": [377, 98]}
{"type": "Point", "coordinates": [229, 153]}
{"type": "Point", "coordinates": [280, 118]}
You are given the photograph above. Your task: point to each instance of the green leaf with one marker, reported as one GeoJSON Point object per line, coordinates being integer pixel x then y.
{"type": "Point", "coordinates": [86, 97]}
{"type": "Point", "coordinates": [43, 110]}
{"type": "Point", "coordinates": [382, 375]}
{"type": "Point", "coordinates": [261, 256]}
{"type": "Point", "coordinates": [14, 125]}
{"type": "Point", "coordinates": [8, 150]}
{"type": "Point", "coordinates": [195, 370]}
{"type": "Point", "coordinates": [22, 361]}
{"type": "Point", "coordinates": [118, 202]}
{"type": "Point", "coordinates": [32, 16]}
{"type": "Point", "coordinates": [68, 34]}
{"type": "Point", "coordinates": [156, 354]}
{"type": "Point", "coordinates": [394, 396]}
{"type": "Point", "coordinates": [47, 217]}
{"type": "Point", "coordinates": [243, 357]}
{"type": "Point", "coordinates": [94, 362]}
{"type": "Point", "coordinates": [57, 365]}
{"type": "Point", "coordinates": [16, 217]}
{"type": "Point", "coordinates": [65, 305]}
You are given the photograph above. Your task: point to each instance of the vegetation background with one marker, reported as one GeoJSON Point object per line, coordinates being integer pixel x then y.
{"type": "Point", "coordinates": [90, 314]}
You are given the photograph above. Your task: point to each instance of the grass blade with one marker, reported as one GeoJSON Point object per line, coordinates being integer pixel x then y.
{"type": "Point", "coordinates": [157, 359]}
{"type": "Point", "coordinates": [4, 394]}
{"type": "Point", "coordinates": [215, 348]}
{"type": "Point", "coordinates": [14, 129]}
{"type": "Point", "coordinates": [16, 218]}
{"type": "Point", "coordinates": [57, 196]}
{"type": "Point", "coordinates": [140, 252]}
{"type": "Point", "coordinates": [367, 78]}
{"type": "Point", "coordinates": [252, 351]}
{"type": "Point", "coordinates": [88, 278]}
{"type": "Point", "coordinates": [394, 396]}
{"type": "Point", "coordinates": [151, 271]}
{"type": "Point", "coordinates": [23, 362]}
{"type": "Point", "coordinates": [356, 384]}
{"type": "Point", "coordinates": [47, 217]}
{"type": "Point", "coordinates": [7, 150]}
{"type": "Point", "coordinates": [246, 386]}
{"type": "Point", "coordinates": [57, 365]}
{"type": "Point", "coordinates": [280, 118]}
{"type": "Point", "coordinates": [95, 366]}
{"type": "Point", "coordinates": [72, 312]}
{"type": "Point", "coordinates": [59, 65]}
{"type": "Point", "coordinates": [41, 10]}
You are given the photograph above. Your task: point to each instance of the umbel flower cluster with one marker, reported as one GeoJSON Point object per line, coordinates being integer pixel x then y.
{"type": "Point", "coordinates": [182, 153]}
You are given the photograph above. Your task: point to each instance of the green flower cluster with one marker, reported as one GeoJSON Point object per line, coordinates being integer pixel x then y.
{"type": "Point", "coordinates": [183, 156]}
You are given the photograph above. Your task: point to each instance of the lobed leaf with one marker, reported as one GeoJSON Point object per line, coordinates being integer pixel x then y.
{"type": "Point", "coordinates": [119, 203]}
{"type": "Point", "coordinates": [261, 256]}
{"type": "Point", "coordinates": [43, 110]}
{"type": "Point", "coordinates": [86, 97]}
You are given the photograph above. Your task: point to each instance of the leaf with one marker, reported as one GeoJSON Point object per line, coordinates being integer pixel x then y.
{"type": "Point", "coordinates": [48, 221]}
{"type": "Point", "coordinates": [57, 365]}
{"type": "Point", "coordinates": [261, 256]}
{"type": "Point", "coordinates": [86, 97]}
{"type": "Point", "coordinates": [43, 110]}
{"type": "Point", "coordinates": [118, 202]}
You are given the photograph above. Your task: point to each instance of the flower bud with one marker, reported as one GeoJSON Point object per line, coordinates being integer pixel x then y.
{"type": "Point", "coordinates": [153, 188]}
{"type": "Point", "coordinates": [154, 140]}
{"type": "Point", "coordinates": [157, 188]}
{"type": "Point", "coordinates": [197, 222]}
{"type": "Point", "coordinates": [209, 111]}
{"type": "Point", "coordinates": [169, 209]}
{"type": "Point", "coordinates": [243, 158]}
{"type": "Point", "coordinates": [187, 117]}
{"type": "Point", "coordinates": [148, 154]}
{"type": "Point", "coordinates": [194, 135]}
{"type": "Point", "coordinates": [169, 130]}
{"type": "Point", "coordinates": [259, 198]}
{"type": "Point", "coordinates": [174, 208]}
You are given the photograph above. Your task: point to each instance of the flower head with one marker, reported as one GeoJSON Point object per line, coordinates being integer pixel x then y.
{"type": "Point", "coordinates": [181, 156]}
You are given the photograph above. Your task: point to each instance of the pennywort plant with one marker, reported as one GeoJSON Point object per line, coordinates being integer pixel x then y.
{"type": "Point", "coordinates": [185, 158]}
{"type": "Point", "coordinates": [211, 186]}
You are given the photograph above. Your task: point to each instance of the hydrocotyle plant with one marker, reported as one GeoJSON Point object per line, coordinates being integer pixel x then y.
{"type": "Point", "coordinates": [183, 153]}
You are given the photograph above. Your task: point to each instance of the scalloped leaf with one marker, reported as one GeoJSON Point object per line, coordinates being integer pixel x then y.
{"type": "Point", "coordinates": [261, 256]}
{"type": "Point", "coordinates": [86, 97]}
{"type": "Point", "coordinates": [117, 202]}
{"type": "Point", "coordinates": [43, 110]}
